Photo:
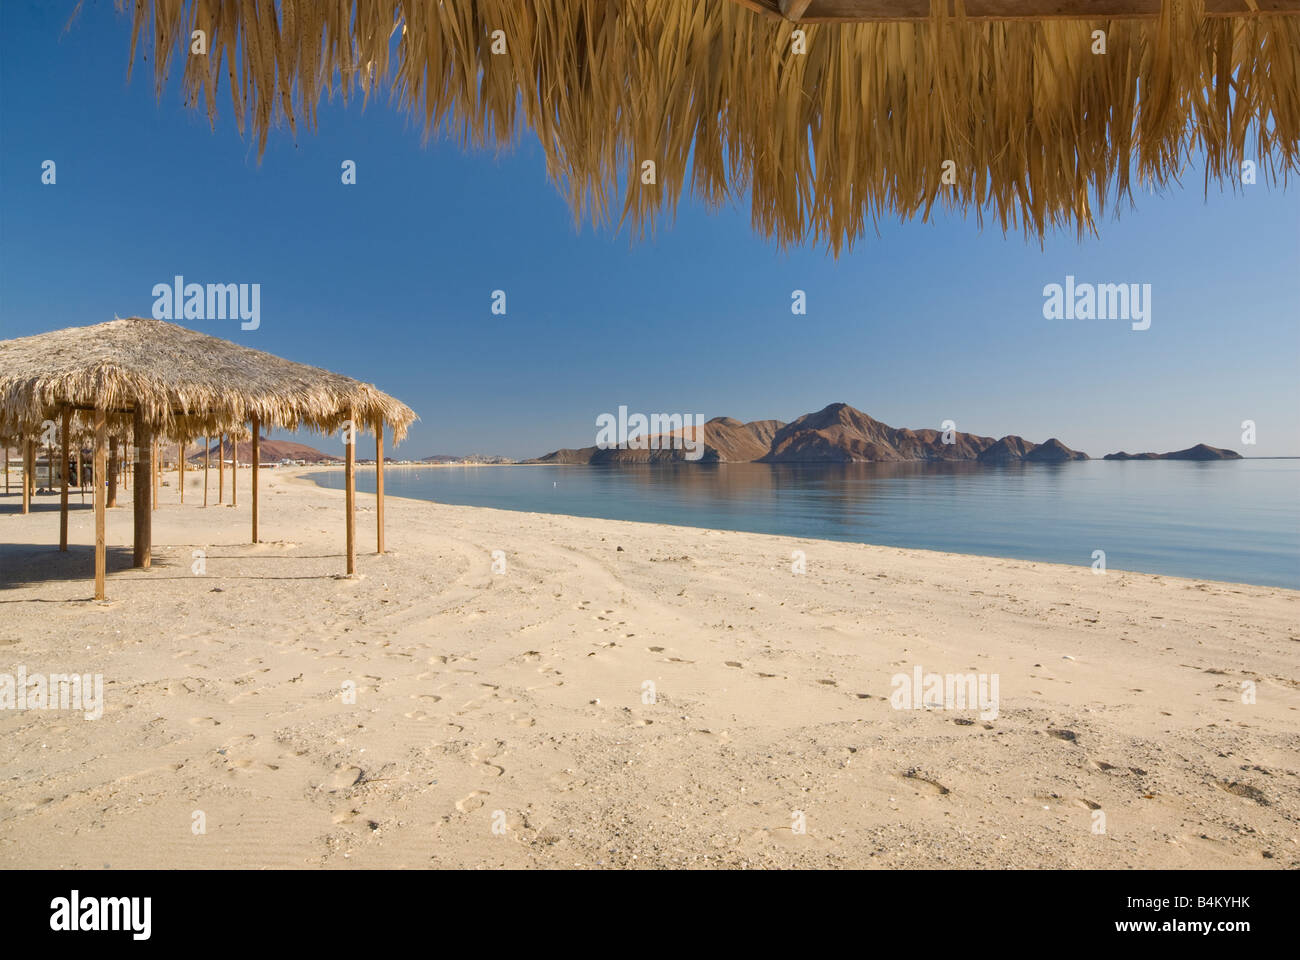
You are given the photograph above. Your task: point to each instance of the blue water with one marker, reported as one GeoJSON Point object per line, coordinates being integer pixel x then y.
{"type": "Point", "coordinates": [1226, 520]}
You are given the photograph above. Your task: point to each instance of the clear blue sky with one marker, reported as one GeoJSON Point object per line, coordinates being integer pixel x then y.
{"type": "Point", "coordinates": [390, 280]}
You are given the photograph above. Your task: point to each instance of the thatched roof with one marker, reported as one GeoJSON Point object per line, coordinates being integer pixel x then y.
{"type": "Point", "coordinates": [187, 384]}
{"type": "Point", "coordinates": [1038, 128]}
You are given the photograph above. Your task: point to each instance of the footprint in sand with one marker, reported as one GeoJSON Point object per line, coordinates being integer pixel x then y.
{"type": "Point", "coordinates": [204, 722]}
{"type": "Point", "coordinates": [342, 777]}
{"type": "Point", "coordinates": [734, 663]}
{"type": "Point", "coordinates": [489, 751]}
{"type": "Point", "coordinates": [472, 802]}
{"type": "Point", "coordinates": [1239, 789]}
{"type": "Point", "coordinates": [565, 781]}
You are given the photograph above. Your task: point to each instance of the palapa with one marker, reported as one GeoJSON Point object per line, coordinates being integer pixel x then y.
{"type": "Point", "coordinates": [141, 378]}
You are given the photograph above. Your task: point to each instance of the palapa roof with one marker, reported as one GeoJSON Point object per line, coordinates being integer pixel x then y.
{"type": "Point", "coordinates": [1039, 129]}
{"type": "Point", "coordinates": [186, 383]}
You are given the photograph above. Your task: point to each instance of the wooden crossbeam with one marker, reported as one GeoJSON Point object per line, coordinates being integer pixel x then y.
{"type": "Point", "coordinates": [866, 11]}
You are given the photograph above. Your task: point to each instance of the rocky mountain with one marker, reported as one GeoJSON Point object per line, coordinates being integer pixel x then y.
{"type": "Point", "coordinates": [835, 434]}
{"type": "Point", "coordinates": [1202, 451]}
{"type": "Point", "coordinates": [726, 440]}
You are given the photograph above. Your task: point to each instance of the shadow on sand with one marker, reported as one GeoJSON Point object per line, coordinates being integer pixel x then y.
{"type": "Point", "coordinates": [47, 503]}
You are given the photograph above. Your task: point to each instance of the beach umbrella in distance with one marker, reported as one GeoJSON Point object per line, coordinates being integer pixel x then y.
{"type": "Point", "coordinates": [829, 113]}
{"type": "Point", "coordinates": [158, 380]}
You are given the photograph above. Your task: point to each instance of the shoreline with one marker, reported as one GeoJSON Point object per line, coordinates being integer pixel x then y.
{"type": "Point", "coordinates": [305, 473]}
{"type": "Point", "coordinates": [524, 692]}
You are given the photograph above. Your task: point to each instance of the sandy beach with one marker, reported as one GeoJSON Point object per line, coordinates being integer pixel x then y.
{"type": "Point", "coordinates": [625, 694]}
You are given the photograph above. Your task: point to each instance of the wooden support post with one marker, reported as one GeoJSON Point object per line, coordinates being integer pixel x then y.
{"type": "Point", "coordinates": [221, 468]}
{"type": "Point", "coordinates": [180, 466]}
{"type": "Point", "coordinates": [379, 482]}
{"type": "Point", "coordinates": [113, 467]}
{"type": "Point", "coordinates": [28, 469]}
{"type": "Point", "coordinates": [81, 485]}
{"type": "Point", "coordinates": [141, 479]}
{"type": "Point", "coordinates": [234, 472]}
{"type": "Point", "coordinates": [350, 486]}
{"type": "Point", "coordinates": [6, 468]}
{"type": "Point", "coordinates": [257, 460]}
{"type": "Point", "coordinates": [207, 452]}
{"type": "Point", "coordinates": [101, 478]}
{"type": "Point", "coordinates": [63, 490]}
{"type": "Point", "coordinates": [153, 472]}
{"type": "Point", "coordinates": [49, 465]}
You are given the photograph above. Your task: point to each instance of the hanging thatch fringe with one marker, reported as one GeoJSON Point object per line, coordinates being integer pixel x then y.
{"type": "Point", "coordinates": [1036, 125]}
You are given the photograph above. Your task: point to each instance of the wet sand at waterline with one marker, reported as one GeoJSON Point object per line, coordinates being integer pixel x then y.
{"type": "Point", "coordinates": [516, 701]}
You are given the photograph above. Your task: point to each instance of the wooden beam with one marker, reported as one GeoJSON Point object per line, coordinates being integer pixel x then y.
{"type": "Point", "coordinates": [207, 450]}
{"type": "Point", "coordinates": [767, 8]}
{"type": "Point", "coordinates": [876, 11]}
{"type": "Point", "coordinates": [221, 468]}
{"type": "Point", "coordinates": [154, 466]}
{"type": "Point", "coordinates": [379, 482]}
{"type": "Point", "coordinates": [350, 488]}
{"type": "Point", "coordinates": [63, 489]}
{"type": "Point", "coordinates": [234, 472]}
{"type": "Point", "coordinates": [101, 495]}
{"type": "Point", "coordinates": [257, 461]}
{"type": "Point", "coordinates": [141, 478]}
{"type": "Point", "coordinates": [180, 466]}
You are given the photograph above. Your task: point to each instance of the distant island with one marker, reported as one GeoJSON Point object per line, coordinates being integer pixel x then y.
{"type": "Point", "coordinates": [1202, 451]}
{"type": "Point", "coordinates": [838, 433]}
{"type": "Point", "coordinates": [475, 458]}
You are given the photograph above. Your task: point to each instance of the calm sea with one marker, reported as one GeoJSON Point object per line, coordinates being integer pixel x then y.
{"type": "Point", "coordinates": [1228, 520]}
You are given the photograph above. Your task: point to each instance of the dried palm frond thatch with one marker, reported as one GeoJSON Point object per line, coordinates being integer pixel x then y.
{"type": "Point", "coordinates": [1038, 127]}
{"type": "Point", "coordinates": [186, 384]}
